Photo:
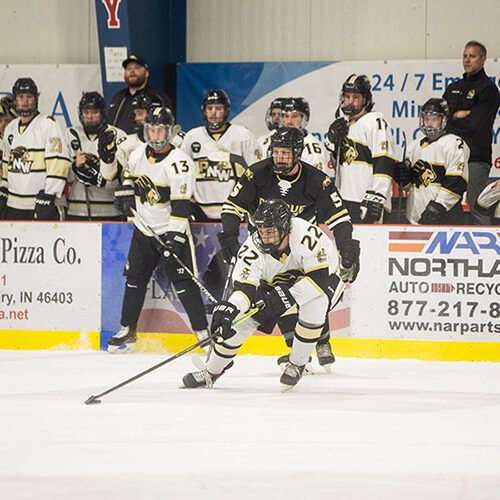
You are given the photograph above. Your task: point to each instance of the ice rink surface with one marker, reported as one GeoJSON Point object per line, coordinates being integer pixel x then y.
{"type": "Point", "coordinates": [372, 429]}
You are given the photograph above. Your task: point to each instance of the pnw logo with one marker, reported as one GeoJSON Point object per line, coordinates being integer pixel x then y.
{"type": "Point", "coordinates": [19, 160]}
{"type": "Point", "coordinates": [284, 186]}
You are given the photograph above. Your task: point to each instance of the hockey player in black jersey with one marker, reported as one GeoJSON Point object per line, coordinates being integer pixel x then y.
{"type": "Point", "coordinates": [310, 195]}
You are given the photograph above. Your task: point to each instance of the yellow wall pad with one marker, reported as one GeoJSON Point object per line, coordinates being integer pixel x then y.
{"type": "Point", "coordinates": [35, 339]}
{"type": "Point", "coordinates": [428, 350]}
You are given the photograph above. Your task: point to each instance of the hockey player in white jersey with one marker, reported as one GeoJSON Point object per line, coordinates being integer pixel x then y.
{"type": "Point", "coordinates": [90, 196]}
{"type": "Point", "coordinates": [273, 121]}
{"type": "Point", "coordinates": [362, 139]}
{"type": "Point", "coordinates": [221, 151]}
{"type": "Point", "coordinates": [488, 202]}
{"type": "Point", "coordinates": [159, 182]}
{"type": "Point", "coordinates": [35, 161]}
{"type": "Point", "coordinates": [435, 170]}
{"type": "Point", "coordinates": [286, 264]}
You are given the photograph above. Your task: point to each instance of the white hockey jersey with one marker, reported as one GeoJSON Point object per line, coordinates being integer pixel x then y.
{"type": "Point", "coordinates": [489, 200]}
{"type": "Point", "coordinates": [444, 171]}
{"type": "Point", "coordinates": [310, 250]}
{"type": "Point", "coordinates": [220, 159]}
{"type": "Point", "coordinates": [100, 200]}
{"type": "Point", "coordinates": [35, 157]}
{"type": "Point", "coordinates": [363, 164]}
{"type": "Point", "coordinates": [163, 188]}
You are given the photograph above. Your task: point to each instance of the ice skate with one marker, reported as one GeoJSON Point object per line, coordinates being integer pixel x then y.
{"type": "Point", "coordinates": [124, 340]}
{"type": "Point", "coordinates": [325, 355]}
{"type": "Point", "coordinates": [202, 378]}
{"type": "Point", "coordinates": [291, 375]}
{"type": "Point", "coordinates": [283, 360]}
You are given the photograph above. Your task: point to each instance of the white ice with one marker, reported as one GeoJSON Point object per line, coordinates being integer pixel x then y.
{"type": "Point", "coordinates": [373, 429]}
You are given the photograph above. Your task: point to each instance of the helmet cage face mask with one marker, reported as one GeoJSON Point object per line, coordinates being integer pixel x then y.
{"type": "Point", "coordinates": [287, 137]}
{"type": "Point", "coordinates": [299, 105]}
{"type": "Point", "coordinates": [25, 86]}
{"type": "Point", "coordinates": [277, 104]}
{"type": "Point", "coordinates": [272, 214]}
{"type": "Point", "coordinates": [156, 119]}
{"type": "Point", "coordinates": [216, 97]}
{"type": "Point", "coordinates": [434, 107]}
{"type": "Point", "coordinates": [91, 100]}
{"type": "Point", "coordinates": [282, 170]}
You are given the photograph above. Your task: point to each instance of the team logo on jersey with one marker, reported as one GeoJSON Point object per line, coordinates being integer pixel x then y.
{"type": "Point", "coordinates": [384, 146]}
{"type": "Point", "coordinates": [471, 94]}
{"type": "Point", "coordinates": [10, 139]}
{"type": "Point", "coordinates": [210, 169]}
{"type": "Point", "coordinates": [196, 147]}
{"type": "Point", "coordinates": [321, 256]}
{"type": "Point", "coordinates": [19, 160]}
{"type": "Point", "coordinates": [245, 273]}
{"type": "Point", "coordinates": [183, 189]}
{"type": "Point", "coordinates": [75, 144]}
{"type": "Point", "coordinates": [284, 186]}
{"type": "Point", "coordinates": [349, 151]}
{"type": "Point", "coordinates": [326, 182]}
{"type": "Point", "coordinates": [147, 191]}
{"type": "Point", "coordinates": [427, 174]}
{"type": "Point", "coordinates": [248, 174]}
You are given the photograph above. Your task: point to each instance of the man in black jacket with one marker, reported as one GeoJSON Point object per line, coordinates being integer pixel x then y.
{"type": "Point", "coordinates": [473, 102]}
{"type": "Point", "coordinates": [121, 113]}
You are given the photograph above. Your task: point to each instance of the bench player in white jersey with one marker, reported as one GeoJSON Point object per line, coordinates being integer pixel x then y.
{"type": "Point", "coordinates": [90, 196]}
{"type": "Point", "coordinates": [488, 202]}
{"type": "Point", "coordinates": [286, 263]}
{"type": "Point", "coordinates": [159, 182]}
{"type": "Point", "coordinates": [221, 151]}
{"type": "Point", "coordinates": [273, 121]}
{"type": "Point", "coordinates": [364, 174]}
{"type": "Point", "coordinates": [35, 161]}
{"type": "Point", "coordinates": [435, 170]}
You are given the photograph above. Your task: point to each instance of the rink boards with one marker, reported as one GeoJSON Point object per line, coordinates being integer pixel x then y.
{"type": "Point", "coordinates": [427, 293]}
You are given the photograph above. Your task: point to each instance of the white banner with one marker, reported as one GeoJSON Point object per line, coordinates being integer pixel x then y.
{"type": "Point", "coordinates": [427, 283]}
{"type": "Point", "coordinates": [60, 86]}
{"type": "Point", "coordinates": [50, 276]}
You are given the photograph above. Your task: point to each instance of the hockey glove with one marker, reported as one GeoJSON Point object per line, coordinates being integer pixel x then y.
{"type": "Point", "coordinates": [174, 244]}
{"type": "Point", "coordinates": [89, 173]}
{"type": "Point", "coordinates": [372, 207]}
{"type": "Point", "coordinates": [337, 131]}
{"type": "Point", "coordinates": [349, 260]}
{"type": "Point", "coordinates": [230, 246]}
{"type": "Point", "coordinates": [223, 316]}
{"type": "Point", "coordinates": [124, 198]}
{"type": "Point", "coordinates": [106, 145]}
{"type": "Point", "coordinates": [403, 173]}
{"type": "Point", "coordinates": [277, 301]}
{"type": "Point", "coordinates": [45, 208]}
{"type": "Point", "coordinates": [4, 195]}
{"type": "Point", "coordinates": [433, 213]}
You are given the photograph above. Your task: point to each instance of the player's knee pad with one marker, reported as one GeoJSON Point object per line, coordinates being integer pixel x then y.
{"type": "Point", "coordinates": [308, 333]}
{"type": "Point", "coordinates": [313, 310]}
{"type": "Point", "coordinates": [225, 350]}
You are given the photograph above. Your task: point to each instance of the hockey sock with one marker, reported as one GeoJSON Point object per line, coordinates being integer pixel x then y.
{"type": "Point", "coordinates": [190, 296]}
{"type": "Point", "coordinates": [133, 300]}
{"type": "Point", "coordinates": [325, 334]}
{"type": "Point", "coordinates": [305, 339]}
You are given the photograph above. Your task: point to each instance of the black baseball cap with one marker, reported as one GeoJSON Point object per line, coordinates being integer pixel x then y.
{"type": "Point", "coordinates": [136, 59]}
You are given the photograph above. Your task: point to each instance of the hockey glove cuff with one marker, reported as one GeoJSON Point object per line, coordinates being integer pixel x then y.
{"type": "Point", "coordinates": [433, 213]}
{"type": "Point", "coordinates": [124, 198]}
{"type": "Point", "coordinates": [372, 207]}
{"type": "Point", "coordinates": [45, 208]}
{"type": "Point", "coordinates": [4, 195]}
{"type": "Point", "coordinates": [224, 314]}
{"type": "Point", "coordinates": [349, 261]}
{"type": "Point", "coordinates": [277, 301]}
{"type": "Point", "coordinates": [230, 246]}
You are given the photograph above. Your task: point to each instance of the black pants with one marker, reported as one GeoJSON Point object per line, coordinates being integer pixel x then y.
{"type": "Point", "coordinates": [18, 214]}
{"type": "Point", "coordinates": [142, 259]}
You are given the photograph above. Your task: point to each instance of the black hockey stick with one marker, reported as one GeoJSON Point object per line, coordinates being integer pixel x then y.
{"type": "Point", "coordinates": [95, 399]}
{"type": "Point", "coordinates": [140, 222]}
{"type": "Point", "coordinates": [400, 187]}
{"type": "Point", "coordinates": [86, 188]}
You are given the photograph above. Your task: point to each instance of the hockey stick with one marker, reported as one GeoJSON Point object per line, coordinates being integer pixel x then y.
{"type": "Point", "coordinates": [79, 148]}
{"type": "Point", "coordinates": [139, 222]}
{"type": "Point", "coordinates": [400, 187]}
{"type": "Point", "coordinates": [95, 399]}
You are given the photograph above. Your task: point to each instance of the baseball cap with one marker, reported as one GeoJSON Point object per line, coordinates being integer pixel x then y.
{"type": "Point", "coordinates": [136, 59]}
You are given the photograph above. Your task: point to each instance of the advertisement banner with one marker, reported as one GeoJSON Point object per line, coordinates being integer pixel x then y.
{"type": "Point", "coordinates": [50, 276]}
{"type": "Point", "coordinates": [428, 283]}
{"type": "Point", "coordinates": [60, 86]}
{"type": "Point", "coordinates": [399, 89]}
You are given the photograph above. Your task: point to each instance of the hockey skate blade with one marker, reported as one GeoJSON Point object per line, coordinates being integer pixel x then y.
{"type": "Point", "coordinates": [286, 388]}
{"type": "Point", "coordinates": [92, 400]}
{"type": "Point", "coordinates": [121, 349]}
{"type": "Point", "coordinates": [328, 368]}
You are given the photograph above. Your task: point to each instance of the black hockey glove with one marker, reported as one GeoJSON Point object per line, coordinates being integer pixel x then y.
{"type": "Point", "coordinates": [337, 131]}
{"type": "Point", "coordinates": [4, 195]}
{"type": "Point", "coordinates": [372, 207]}
{"type": "Point", "coordinates": [45, 208]}
{"type": "Point", "coordinates": [433, 213]}
{"type": "Point", "coordinates": [277, 300]}
{"type": "Point", "coordinates": [223, 316]}
{"type": "Point", "coordinates": [90, 173]}
{"type": "Point", "coordinates": [174, 244]}
{"type": "Point", "coordinates": [403, 173]}
{"type": "Point", "coordinates": [230, 246]}
{"type": "Point", "coordinates": [124, 198]}
{"type": "Point", "coordinates": [106, 145]}
{"type": "Point", "coordinates": [349, 260]}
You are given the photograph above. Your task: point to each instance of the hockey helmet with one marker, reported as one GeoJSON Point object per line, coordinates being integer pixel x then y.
{"type": "Point", "coordinates": [271, 122]}
{"type": "Point", "coordinates": [438, 108]}
{"type": "Point", "coordinates": [157, 119]}
{"type": "Point", "coordinates": [357, 84]}
{"type": "Point", "coordinates": [273, 221]}
{"type": "Point", "coordinates": [145, 101]}
{"type": "Point", "coordinates": [218, 96]}
{"type": "Point", "coordinates": [300, 105]}
{"type": "Point", "coordinates": [25, 86]}
{"type": "Point", "coordinates": [94, 101]}
{"type": "Point", "coordinates": [286, 137]}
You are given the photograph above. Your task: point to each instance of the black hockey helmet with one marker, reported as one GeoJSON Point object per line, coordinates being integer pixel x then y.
{"type": "Point", "coordinates": [217, 96]}
{"type": "Point", "coordinates": [435, 106]}
{"type": "Point", "coordinates": [91, 100]}
{"type": "Point", "coordinates": [158, 117]}
{"type": "Point", "coordinates": [272, 213]}
{"type": "Point", "coordinates": [145, 101]}
{"type": "Point", "coordinates": [287, 137]}
{"type": "Point", "coordinates": [275, 104]}
{"type": "Point", "coordinates": [358, 84]}
{"type": "Point", "coordinates": [291, 104]}
{"type": "Point", "coordinates": [25, 86]}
